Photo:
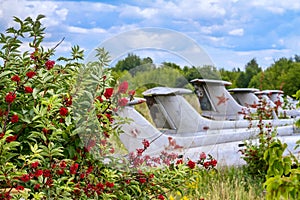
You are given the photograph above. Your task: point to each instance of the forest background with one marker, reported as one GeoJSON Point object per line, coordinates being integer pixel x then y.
{"type": "Point", "coordinates": [283, 74]}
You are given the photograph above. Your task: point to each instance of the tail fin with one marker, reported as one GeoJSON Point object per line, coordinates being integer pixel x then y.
{"type": "Point", "coordinates": [139, 129]}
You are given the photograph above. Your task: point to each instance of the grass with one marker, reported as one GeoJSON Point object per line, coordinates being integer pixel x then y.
{"type": "Point", "coordinates": [228, 183]}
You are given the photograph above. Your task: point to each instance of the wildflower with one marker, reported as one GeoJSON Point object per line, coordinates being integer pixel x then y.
{"type": "Point", "coordinates": [49, 182]}
{"type": "Point", "coordinates": [142, 180]}
{"type": "Point", "coordinates": [60, 172]}
{"type": "Point", "coordinates": [191, 164]}
{"type": "Point", "coordinates": [122, 102]}
{"type": "Point", "coordinates": [49, 64]}
{"type": "Point", "coordinates": [68, 101]}
{"type": "Point", "coordinates": [25, 178]}
{"type": "Point", "coordinates": [82, 175]}
{"type": "Point", "coordinates": [11, 138]}
{"type": "Point", "coordinates": [38, 173]}
{"type": "Point", "coordinates": [109, 117]}
{"type": "Point", "coordinates": [100, 186]}
{"type": "Point", "coordinates": [35, 164]}
{"type": "Point", "coordinates": [108, 92]}
{"type": "Point", "coordinates": [99, 98]}
{"type": "Point", "coordinates": [28, 89]}
{"type": "Point", "coordinates": [140, 152]}
{"type": "Point", "coordinates": [63, 164]}
{"type": "Point", "coordinates": [19, 187]}
{"type": "Point", "coordinates": [30, 74]}
{"type": "Point", "coordinates": [206, 164]}
{"type": "Point", "coordinates": [63, 111]}
{"type": "Point", "coordinates": [90, 145]}
{"type": "Point", "coordinates": [146, 143]}
{"type": "Point", "coordinates": [202, 156]}
{"type": "Point", "coordinates": [33, 55]}
{"type": "Point", "coordinates": [1, 135]}
{"type": "Point", "coordinates": [131, 92]}
{"type": "Point", "coordinates": [89, 170]}
{"type": "Point", "coordinates": [123, 87]}
{"type": "Point", "coordinates": [45, 130]}
{"type": "Point", "coordinates": [47, 173]}
{"type": "Point", "coordinates": [213, 162]}
{"type": "Point", "coordinates": [10, 97]}
{"type": "Point", "coordinates": [151, 176]}
{"type": "Point", "coordinates": [15, 78]}
{"type": "Point", "coordinates": [73, 168]}
{"type": "Point", "coordinates": [179, 162]}
{"type": "Point", "coordinates": [36, 186]}
{"type": "Point", "coordinates": [112, 150]}
{"type": "Point", "coordinates": [109, 184]}
{"type": "Point", "coordinates": [160, 197]}
{"type": "Point", "coordinates": [127, 181]}
{"type": "Point", "coordinates": [14, 119]}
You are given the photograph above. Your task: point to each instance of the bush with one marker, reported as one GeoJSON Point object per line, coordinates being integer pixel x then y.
{"type": "Point", "coordinates": [59, 131]}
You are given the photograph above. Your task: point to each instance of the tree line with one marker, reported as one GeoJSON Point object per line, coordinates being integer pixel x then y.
{"type": "Point", "coordinates": [283, 74]}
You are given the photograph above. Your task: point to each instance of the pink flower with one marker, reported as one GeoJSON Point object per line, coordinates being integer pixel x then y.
{"type": "Point", "coordinates": [63, 111]}
{"type": "Point", "coordinates": [10, 97]}
{"type": "Point", "coordinates": [122, 102]}
{"type": "Point", "coordinates": [28, 89]}
{"type": "Point", "coordinates": [14, 119]}
{"type": "Point", "coordinates": [108, 92]}
{"type": "Point", "coordinates": [30, 74]}
{"type": "Point", "coordinates": [202, 156]}
{"type": "Point", "coordinates": [123, 87]}
{"type": "Point", "coordinates": [49, 64]}
{"type": "Point", "coordinates": [15, 78]}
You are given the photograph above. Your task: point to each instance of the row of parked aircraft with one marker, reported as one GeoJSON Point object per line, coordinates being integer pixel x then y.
{"type": "Point", "coordinates": [219, 129]}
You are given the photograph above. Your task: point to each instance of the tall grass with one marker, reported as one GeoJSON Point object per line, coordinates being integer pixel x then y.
{"type": "Point", "coordinates": [228, 183]}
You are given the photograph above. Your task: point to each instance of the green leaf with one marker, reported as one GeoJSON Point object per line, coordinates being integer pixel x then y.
{"type": "Point", "coordinates": [5, 73]}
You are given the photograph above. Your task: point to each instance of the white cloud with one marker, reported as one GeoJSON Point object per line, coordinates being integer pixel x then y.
{"type": "Point", "coordinates": [277, 6]}
{"type": "Point", "coordinates": [237, 32]}
{"type": "Point", "coordinates": [137, 12]}
{"type": "Point", "coordinates": [74, 29]}
{"type": "Point", "coordinates": [22, 9]}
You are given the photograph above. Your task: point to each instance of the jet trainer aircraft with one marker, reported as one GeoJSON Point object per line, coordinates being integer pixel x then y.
{"type": "Point", "coordinates": [180, 128]}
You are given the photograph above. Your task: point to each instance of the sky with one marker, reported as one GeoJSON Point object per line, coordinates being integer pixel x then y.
{"type": "Point", "coordinates": [227, 33]}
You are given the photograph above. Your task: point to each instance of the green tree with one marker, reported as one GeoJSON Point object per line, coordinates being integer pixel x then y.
{"type": "Point", "coordinates": [251, 69]}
